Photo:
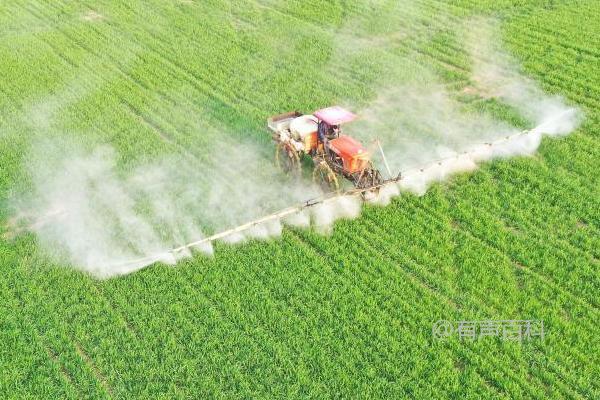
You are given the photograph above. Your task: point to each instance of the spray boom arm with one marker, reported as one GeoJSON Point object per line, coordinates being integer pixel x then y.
{"type": "Point", "coordinates": [313, 202]}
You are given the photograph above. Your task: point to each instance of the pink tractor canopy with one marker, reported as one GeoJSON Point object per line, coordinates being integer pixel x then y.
{"type": "Point", "coordinates": [334, 115]}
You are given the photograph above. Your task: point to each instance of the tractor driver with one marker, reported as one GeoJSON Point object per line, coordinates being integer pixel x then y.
{"type": "Point", "coordinates": [327, 132]}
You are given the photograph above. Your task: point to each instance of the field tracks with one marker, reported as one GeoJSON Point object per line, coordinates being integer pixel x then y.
{"type": "Point", "coordinates": [400, 246]}
{"type": "Point", "coordinates": [109, 304]}
{"type": "Point", "coordinates": [64, 373]}
{"type": "Point", "coordinates": [147, 122]}
{"type": "Point", "coordinates": [416, 272]}
{"type": "Point", "coordinates": [474, 233]}
{"type": "Point", "coordinates": [391, 311]}
{"type": "Point", "coordinates": [57, 347]}
{"type": "Point", "coordinates": [561, 373]}
{"type": "Point", "coordinates": [493, 309]}
{"type": "Point", "coordinates": [97, 373]}
{"type": "Point", "coordinates": [416, 280]}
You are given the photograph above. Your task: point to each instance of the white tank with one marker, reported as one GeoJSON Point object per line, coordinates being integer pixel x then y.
{"type": "Point", "coordinates": [303, 126]}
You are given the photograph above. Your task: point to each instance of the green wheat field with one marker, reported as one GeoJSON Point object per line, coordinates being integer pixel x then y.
{"type": "Point", "coordinates": [304, 315]}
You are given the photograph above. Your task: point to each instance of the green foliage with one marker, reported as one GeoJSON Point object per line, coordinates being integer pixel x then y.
{"type": "Point", "coordinates": [343, 316]}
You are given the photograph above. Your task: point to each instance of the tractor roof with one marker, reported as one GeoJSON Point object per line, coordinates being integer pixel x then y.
{"type": "Point", "coordinates": [347, 146]}
{"type": "Point", "coordinates": [335, 115]}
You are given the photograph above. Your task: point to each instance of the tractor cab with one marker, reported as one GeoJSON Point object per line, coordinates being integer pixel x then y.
{"type": "Point", "coordinates": [330, 121]}
{"type": "Point", "coordinates": [349, 152]}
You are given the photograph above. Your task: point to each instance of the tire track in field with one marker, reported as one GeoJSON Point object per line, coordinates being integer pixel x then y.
{"type": "Point", "coordinates": [163, 95]}
{"type": "Point", "coordinates": [201, 85]}
{"type": "Point", "coordinates": [68, 379]}
{"type": "Point", "coordinates": [137, 115]}
{"type": "Point", "coordinates": [61, 374]}
{"type": "Point", "coordinates": [158, 38]}
{"type": "Point", "coordinates": [561, 189]}
{"type": "Point", "coordinates": [495, 307]}
{"type": "Point", "coordinates": [91, 365]}
{"type": "Point", "coordinates": [434, 222]}
{"type": "Point", "coordinates": [519, 231]}
{"type": "Point", "coordinates": [560, 371]}
{"type": "Point", "coordinates": [424, 282]}
{"type": "Point", "coordinates": [561, 66]}
{"type": "Point", "coordinates": [70, 344]}
{"type": "Point", "coordinates": [128, 77]}
{"type": "Point", "coordinates": [33, 9]}
{"type": "Point", "coordinates": [77, 43]}
{"type": "Point", "coordinates": [426, 287]}
{"type": "Point", "coordinates": [576, 298]}
{"type": "Point", "coordinates": [86, 303]}
{"type": "Point", "coordinates": [129, 303]}
{"type": "Point", "coordinates": [491, 246]}
{"type": "Point", "coordinates": [225, 315]}
{"type": "Point", "coordinates": [555, 80]}
{"type": "Point", "coordinates": [560, 35]}
{"type": "Point", "coordinates": [568, 53]}
{"type": "Point", "coordinates": [316, 289]}
{"type": "Point", "coordinates": [543, 230]}
{"type": "Point", "coordinates": [530, 220]}
{"type": "Point", "coordinates": [128, 325]}
{"type": "Point", "coordinates": [585, 302]}
{"type": "Point", "coordinates": [46, 342]}
{"type": "Point", "coordinates": [192, 77]}
{"type": "Point", "coordinates": [523, 263]}
{"type": "Point", "coordinates": [457, 22]}
{"type": "Point", "coordinates": [373, 289]}
{"type": "Point", "coordinates": [510, 354]}
{"type": "Point", "coordinates": [421, 33]}
{"type": "Point", "coordinates": [428, 212]}
{"type": "Point", "coordinates": [434, 57]}
{"type": "Point", "coordinates": [148, 123]}
{"type": "Point", "coordinates": [418, 285]}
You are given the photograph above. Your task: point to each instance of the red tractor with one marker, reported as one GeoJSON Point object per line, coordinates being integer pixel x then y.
{"type": "Point", "coordinates": [319, 137]}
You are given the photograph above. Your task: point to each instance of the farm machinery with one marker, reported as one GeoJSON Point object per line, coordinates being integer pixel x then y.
{"type": "Point", "coordinates": [335, 156]}
{"type": "Point", "coordinates": [317, 137]}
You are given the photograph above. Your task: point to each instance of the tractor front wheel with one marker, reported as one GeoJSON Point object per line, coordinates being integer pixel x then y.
{"type": "Point", "coordinates": [367, 178]}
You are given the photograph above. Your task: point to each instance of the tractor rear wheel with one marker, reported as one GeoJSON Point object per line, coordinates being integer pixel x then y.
{"type": "Point", "coordinates": [324, 176]}
{"type": "Point", "coordinates": [287, 160]}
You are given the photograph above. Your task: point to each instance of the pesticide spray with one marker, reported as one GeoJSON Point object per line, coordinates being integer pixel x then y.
{"type": "Point", "coordinates": [429, 135]}
{"type": "Point", "coordinates": [90, 211]}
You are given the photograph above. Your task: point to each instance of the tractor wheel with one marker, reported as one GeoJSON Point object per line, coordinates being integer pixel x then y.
{"type": "Point", "coordinates": [324, 176]}
{"type": "Point", "coordinates": [287, 160]}
{"type": "Point", "coordinates": [369, 177]}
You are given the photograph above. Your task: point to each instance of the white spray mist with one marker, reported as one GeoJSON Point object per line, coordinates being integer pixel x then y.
{"type": "Point", "coordinates": [106, 221]}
